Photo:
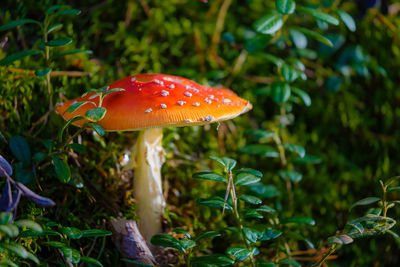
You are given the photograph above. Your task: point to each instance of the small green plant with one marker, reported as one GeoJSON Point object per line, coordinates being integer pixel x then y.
{"type": "Point", "coordinates": [375, 221]}
{"type": "Point", "coordinates": [255, 222]}
{"type": "Point", "coordinates": [12, 249]}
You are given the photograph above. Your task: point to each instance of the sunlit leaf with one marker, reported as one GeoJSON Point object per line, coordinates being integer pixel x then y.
{"type": "Point", "coordinates": [16, 56]}
{"type": "Point", "coordinates": [285, 6]}
{"type": "Point", "coordinates": [269, 24]}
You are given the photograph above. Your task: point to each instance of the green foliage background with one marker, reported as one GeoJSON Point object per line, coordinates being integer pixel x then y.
{"type": "Point", "coordinates": [351, 125]}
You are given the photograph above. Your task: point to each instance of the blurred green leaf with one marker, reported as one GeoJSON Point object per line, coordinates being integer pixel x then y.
{"type": "Point", "coordinates": [298, 38]}
{"type": "Point", "coordinates": [206, 235]}
{"type": "Point", "coordinates": [262, 150]}
{"type": "Point", "coordinates": [212, 260]}
{"type": "Point", "coordinates": [91, 261]}
{"type": "Point", "coordinates": [340, 239]}
{"type": "Point", "coordinates": [98, 129]}
{"type": "Point", "coordinates": [250, 199]}
{"type": "Point", "coordinates": [308, 159]}
{"type": "Point", "coordinates": [319, 15]}
{"type": "Point", "coordinates": [29, 224]}
{"type": "Point", "coordinates": [365, 201]}
{"type": "Point", "coordinates": [168, 241]}
{"type": "Point", "coordinates": [68, 12]}
{"type": "Point", "coordinates": [239, 253]}
{"type": "Point", "coordinates": [296, 149]}
{"type": "Point", "coordinates": [15, 23]}
{"type": "Point", "coordinates": [72, 232]}
{"type": "Point", "coordinates": [258, 42]}
{"type": "Point", "coordinates": [96, 114]}
{"type": "Point", "coordinates": [16, 56]}
{"type": "Point", "coordinates": [15, 248]}
{"type": "Point", "coordinates": [59, 41]}
{"type": "Point", "coordinates": [246, 179]}
{"type": "Point", "coordinates": [187, 243]}
{"type": "Point", "coordinates": [289, 262]}
{"type": "Point", "coordinates": [10, 230]}
{"type": "Point", "coordinates": [71, 254]}
{"type": "Point", "coordinates": [270, 234]}
{"type": "Point", "coordinates": [71, 52]}
{"type": "Point", "coordinates": [54, 27]}
{"type": "Point", "coordinates": [280, 92]}
{"type": "Point", "coordinates": [269, 24]}
{"type": "Point", "coordinates": [209, 175]}
{"type": "Point", "coordinates": [285, 6]}
{"type": "Point", "coordinates": [20, 148]}
{"type": "Point", "coordinates": [293, 176]}
{"type": "Point", "coordinates": [180, 230]}
{"type": "Point", "coordinates": [298, 220]}
{"type": "Point", "coordinates": [315, 35]}
{"type": "Point", "coordinates": [303, 95]}
{"type": "Point", "coordinates": [264, 191]}
{"type": "Point", "coordinates": [61, 168]}
{"type": "Point", "coordinates": [252, 235]}
{"type": "Point", "coordinates": [289, 73]}
{"type": "Point", "coordinates": [77, 147]}
{"type": "Point", "coordinates": [228, 163]}
{"type": "Point", "coordinates": [214, 202]}
{"type": "Point", "coordinates": [347, 19]}
{"type": "Point", "coordinates": [95, 233]}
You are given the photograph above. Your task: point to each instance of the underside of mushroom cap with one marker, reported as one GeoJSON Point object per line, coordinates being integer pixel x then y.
{"type": "Point", "coordinates": [158, 100]}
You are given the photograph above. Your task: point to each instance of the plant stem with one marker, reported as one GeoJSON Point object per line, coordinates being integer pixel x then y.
{"type": "Point", "coordinates": [237, 218]}
{"type": "Point", "coordinates": [47, 57]}
{"type": "Point", "coordinates": [326, 255]}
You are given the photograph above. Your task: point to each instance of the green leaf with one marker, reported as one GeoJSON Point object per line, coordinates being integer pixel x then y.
{"type": "Point", "coordinates": [289, 73]}
{"type": "Point", "coordinates": [42, 72]}
{"type": "Point", "coordinates": [96, 114]}
{"type": "Point", "coordinates": [187, 243]}
{"type": "Point", "coordinates": [252, 213]}
{"type": "Point", "coordinates": [340, 239]}
{"type": "Point", "coordinates": [246, 179]}
{"type": "Point", "coordinates": [16, 56]}
{"type": "Point", "coordinates": [7, 262]}
{"type": "Point", "coordinates": [113, 91]}
{"type": "Point", "coordinates": [20, 148]}
{"type": "Point", "coordinates": [59, 41]}
{"type": "Point", "coordinates": [209, 175]}
{"type": "Point", "coordinates": [273, 59]}
{"type": "Point", "coordinates": [45, 232]}
{"type": "Point", "coordinates": [293, 176]}
{"type": "Point", "coordinates": [168, 241]}
{"type": "Point", "coordinates": [393, 189]}
{"type": "Point", "coordinates": [365, 201]}
{"type": "Point", "coordinates": [95, 233]}
{"type": "Point", "coordinates": [15, 248]}
{"type": "Point", "coordinates": [303, 95]}
{"type": "Point", "coordinates": [91, 261]}
{"type": "Point", "coordinates": [266, 209]}
{"type": "Point", "coordinates": [16, 23]}
{"type": "Point", "coordinates": [269, 24]}
{"type": "Point", "coordinates": [250, 199]}
{"type": "Point", "coordinates": [262, 150]}
{"type": "Point", "coordinates": [205, 235]}
{"type": "Point", "coordinates": [285, 6]}
{"type": "Point", "coordinates": [54, 244]}
{"type": "Point", "coordinates": [249, 171]}
{"type": "Point", "coordinates": [270, 234]}
{"type": "Point", "coordinates": [61, 168]}
{"type": "Point", "coordinates": [71, 254]}
{"type": "Point", "coordinates": [71, 52]}
{"type": "Point", "coordinates": [264, 191]}
{"type": "Point", "coordinates": [289, 262]}
{"type": "Point", "coordinates": [98, 129]}
{"type": "Point", "coordinates": [54, 28]}
{"type": "Point", "coordinates": [347, 19]}
{"type": "Point", "coordinates": [315, 35]}
{"type": "Point", "coordinates": [5, 217]}
{"type": "Point", "coordinates": [68, 12]}
{"type": "Point", "coordinates": [308, 159]}
{"type": "Point", "coordinates": [136, 263]}
{"type": "Point", "coordinates": [29, 224]}
{"type": "Point", "coordinates": [228, 163]}
{"type": "Point", "coordinates": [298, 38]}
{"type": "Point", "coordinates": [180, 230]}
{"type": "Point", "coordinates": [258, 42]}
{"type": "Point", "coordinates": [77, 105]}
{"type": "Point", "coordinates": [298, 220]}
{"type": "Point", "coordinates": [214, 202]}
{"type": "Point", "coordinates": [33, 258]}
{"type": "Point", "coordinates": [212, 260]}
{"type": "Point", "coordinates": [280, 92]}
{"type": "Point", "coordinates": [319, 15]}
{"type": "Point", "coordinates": [239, 253]}
{"type": "Point", "coordinates": [56, 7]}
{"type": "Point", "coordinates": [10, 230]}
{"type": "Point", "coordinates": [259, 134]}
{"type": "Point", "coordinates": [72, 232]}
{"type": "Point", "coordinates": [77, 147]}
{"type": "Point", "coordinates": [251, 235]}
{"type": "Point", "coordinates": [296, 149]}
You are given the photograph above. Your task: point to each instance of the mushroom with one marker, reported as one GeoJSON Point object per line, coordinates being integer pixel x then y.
{"type": "Point", "coordinates": [148, 103]}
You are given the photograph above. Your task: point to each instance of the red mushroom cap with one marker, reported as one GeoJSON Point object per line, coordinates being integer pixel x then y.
{"type": "Point", "coordinates": [158, 100]}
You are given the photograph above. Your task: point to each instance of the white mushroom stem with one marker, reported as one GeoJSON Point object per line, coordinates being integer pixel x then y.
{"type": "Point", "coordinates": [146, 161]}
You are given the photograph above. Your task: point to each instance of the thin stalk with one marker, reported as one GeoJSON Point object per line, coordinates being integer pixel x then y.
{"type": "Point", "coordinates": [47, 58]}
{"type": "Point", "coordinates": [238, 219]}
{"type": "Point", "coordinates": [326, 255]}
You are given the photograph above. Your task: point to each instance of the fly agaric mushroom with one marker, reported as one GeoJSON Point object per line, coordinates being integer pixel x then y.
{"type": "Point", "coordinates": [148, 103]}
